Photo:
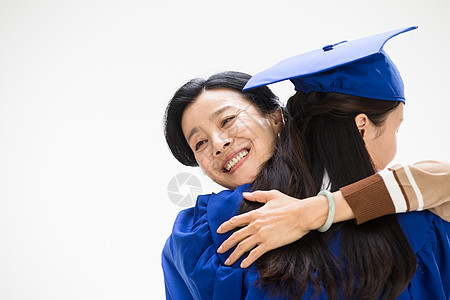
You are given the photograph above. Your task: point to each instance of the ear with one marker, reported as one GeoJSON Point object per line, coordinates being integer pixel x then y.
{"type": "Point", "coordinates": [362, 122]}
{"type": "Point", "coordinates": [277, 120]}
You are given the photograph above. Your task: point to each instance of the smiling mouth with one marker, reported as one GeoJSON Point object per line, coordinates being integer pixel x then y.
{"type": "Point", "coordinates": [232, 162]}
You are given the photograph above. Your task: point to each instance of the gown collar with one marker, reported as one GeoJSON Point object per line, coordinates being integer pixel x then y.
{"type": "Point", "coordinates": [221, 207]}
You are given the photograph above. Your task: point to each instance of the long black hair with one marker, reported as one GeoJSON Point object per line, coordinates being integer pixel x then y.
{"type": "Point", "coordinates": [262, 97]}
{"type": "Point", "coordinates": [374, 259]}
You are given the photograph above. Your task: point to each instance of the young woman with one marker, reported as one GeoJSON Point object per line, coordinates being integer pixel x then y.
{"type": "Point", "coordinates": [340, 262]}
{"type": "Point", "coordinates": [200, 272]}
{"type": "Point", "coordinates": [400, 189]}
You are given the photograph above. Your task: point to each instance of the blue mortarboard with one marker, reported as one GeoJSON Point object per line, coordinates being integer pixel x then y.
{"type": "Point", "coordinates": [359, 67]}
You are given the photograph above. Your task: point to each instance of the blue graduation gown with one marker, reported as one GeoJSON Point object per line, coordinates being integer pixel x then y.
{"type": "Point", "coordinates": [194, 270]}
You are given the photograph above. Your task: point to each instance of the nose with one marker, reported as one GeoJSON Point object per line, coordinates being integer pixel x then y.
{"type": "Point", "coordinates": [223, 148]}
{"type": "Point", "coordinates": [220, 144]}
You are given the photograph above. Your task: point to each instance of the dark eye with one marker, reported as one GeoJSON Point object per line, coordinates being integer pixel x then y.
{"type": "Point", "coordinates": [199, 144]}
{"type": "Point", "coordinates": [226, 120]}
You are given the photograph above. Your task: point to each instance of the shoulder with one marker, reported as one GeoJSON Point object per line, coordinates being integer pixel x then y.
{"type": "Point", "coordinates": [429, 237]}
{"type": "Point", "coordinates": [190, 259]}
{"type": "Point", "coordinates": [422, 227]}
{"type": "Point", "coordinates": [210, 207]}
{"type": "Point", "coordinates": [222, 207]}
{"type": "Point", "coordinates": [194, 229]}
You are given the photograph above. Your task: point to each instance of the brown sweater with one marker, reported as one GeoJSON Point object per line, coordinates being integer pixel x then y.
{"type": "Point", "coordinates": [402, 188]}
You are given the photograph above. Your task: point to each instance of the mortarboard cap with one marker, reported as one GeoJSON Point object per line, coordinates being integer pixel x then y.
{"type": "Point", "coordinates": [359, 67]}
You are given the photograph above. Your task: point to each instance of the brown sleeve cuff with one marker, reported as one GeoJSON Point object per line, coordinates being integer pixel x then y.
{"type": "Point", "coordinates": [368, 198]}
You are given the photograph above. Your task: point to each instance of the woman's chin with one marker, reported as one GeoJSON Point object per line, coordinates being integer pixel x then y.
{"type": "Point", "coordinates": [233, 185]}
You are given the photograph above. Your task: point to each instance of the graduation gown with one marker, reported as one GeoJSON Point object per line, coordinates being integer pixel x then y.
{"type": "Point", "coordinates": [194, 270]}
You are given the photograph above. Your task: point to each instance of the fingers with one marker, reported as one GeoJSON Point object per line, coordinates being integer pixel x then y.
{"type": "Point", "coordinates": [249, 237]}
{"type": "Point", "coordinates": [234, 222]}
{"type": "Point", "coordinates": [260, 196]}
{"type": "Point", "coordinates": [235, 238]}
{"type": "Point", "coordinates": [253, 256]}
{"type": "Point", "coordinates": [245, 219]}
{"type": "Point", "coordinates": [243, 247]}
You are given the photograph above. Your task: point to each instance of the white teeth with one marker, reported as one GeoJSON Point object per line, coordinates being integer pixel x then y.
{"type": "Point", "coordinates": [232, 162]}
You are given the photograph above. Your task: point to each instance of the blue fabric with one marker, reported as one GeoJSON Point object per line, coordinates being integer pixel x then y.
{"type": "Point", "coordinates": [359, 67]}
{"type": "Point", "coordinates": [194, 270]}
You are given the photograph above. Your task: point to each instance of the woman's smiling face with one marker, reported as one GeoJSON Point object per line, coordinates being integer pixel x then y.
{"type": "Point", "coordinates": [229, 137]}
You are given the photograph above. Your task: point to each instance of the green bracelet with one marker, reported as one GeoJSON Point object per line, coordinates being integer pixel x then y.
{"type": "Point", "coordinates": [331, 210]}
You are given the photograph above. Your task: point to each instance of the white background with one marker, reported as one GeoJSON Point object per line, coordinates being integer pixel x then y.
{"type": "Point", "coordinates": [84, 168]}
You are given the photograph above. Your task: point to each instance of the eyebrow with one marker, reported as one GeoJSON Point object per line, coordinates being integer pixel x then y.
{"type": "Point", "coordinates": [191, 133]}
{"type": "Point", "coordinates": [214, 115]}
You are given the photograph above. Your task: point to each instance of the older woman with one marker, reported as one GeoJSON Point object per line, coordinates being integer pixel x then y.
{"type": "Point", "coordinates": [229, 141]}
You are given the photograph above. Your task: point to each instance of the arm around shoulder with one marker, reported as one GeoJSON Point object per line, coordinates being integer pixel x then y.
{"type": "Point", "coordinates": [430, 181]}
{"type": "Point", "coordinates": [402, 188]}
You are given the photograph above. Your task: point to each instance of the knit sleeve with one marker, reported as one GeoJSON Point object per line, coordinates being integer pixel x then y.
{"type": "Point", "coordinates": [402, 188]}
